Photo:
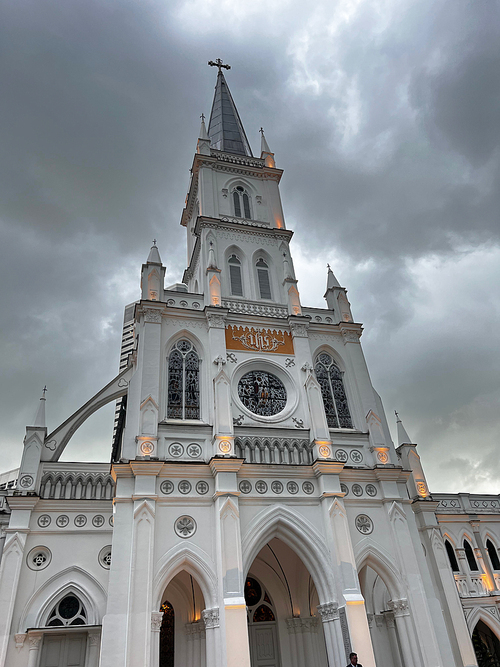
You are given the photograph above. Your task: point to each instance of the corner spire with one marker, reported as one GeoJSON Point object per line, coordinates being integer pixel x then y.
{"type": "Point", "coordinates": [403, 437]}
{"type": "Point", "coordinates": [265, 151]}
{"type": "Point", "coordinates": [331, 280]}
{"type": "Point", "coordinates": [225, 128]}
{"type": "Point", "coordinates": [154, 254]}
{"type": "Point", "coordinates": [39, 419]}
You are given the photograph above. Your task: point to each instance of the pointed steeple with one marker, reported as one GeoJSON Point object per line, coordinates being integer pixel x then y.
{"type": "Point", "coordinates": [331, 280]}
{"type": "Point", "coordinates": [154, 254]}
{"type": "Point", "coordinates": [403, 437]}
{"type": "Point", "coordinates": [203, 130]}
{"type": "Point", "coordinates": [203, 145]}
{"type": "Point", "coordinates": [225, 128]}
{"type": "Point", "coordinates": [39, 419]}
{"type": "Point", "coordinates": [265, 151]}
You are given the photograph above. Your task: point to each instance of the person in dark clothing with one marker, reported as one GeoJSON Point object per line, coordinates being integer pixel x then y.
{"type": "Point", "coordinates": [353, 660]}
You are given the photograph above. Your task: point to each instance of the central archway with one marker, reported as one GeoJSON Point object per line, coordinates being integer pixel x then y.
{"type": "Point", "coordinates": [284, 627]}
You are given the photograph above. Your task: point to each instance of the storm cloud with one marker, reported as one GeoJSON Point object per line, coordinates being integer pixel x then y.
{"type": "Point", "coordinates": [385, 116]}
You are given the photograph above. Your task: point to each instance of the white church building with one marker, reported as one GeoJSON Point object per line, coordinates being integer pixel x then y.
{"type": "Point", "coordinates": [256, 512]}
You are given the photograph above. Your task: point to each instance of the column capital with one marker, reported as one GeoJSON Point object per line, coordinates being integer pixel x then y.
{"type": "Point", "coordinates": [329, 611]}
{"type": "Point", "coordinates": [399, 607]}
{"type": "Point", "coordinates": [94, 637]}
{"type": "Point", "coordinates": [35, 639]}
{"type": "Point", "coordinates": [211, 617]}
{"type": "Point", "coordinates": [20, 639]}
{"type": "Point", "coordinates": [156, 619]}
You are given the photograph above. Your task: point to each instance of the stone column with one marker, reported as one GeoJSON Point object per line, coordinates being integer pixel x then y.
{"type": "Point", "coordinates": [229, 563]}
{"type": "Point", "coordinates": [156, 620]}
{"type": "Point", "coordinates": [393, 638]}
{"type": "Point", "coordinates": [464, 567]}
{"type": "Point", "coordinates": [211, 620]}
{"type": "Point", "coordinates": [409, 646]}
{"type": "Point", "coordinates": [329, 613]}
{"type": "Point", "coordinates": [12, 560]}
{"type": "Point", "coordinates": [35, 644]}
{"type": "Point", "coordinates": [93, 646]}
{"type": "Point", "coordinates": [484, 558]}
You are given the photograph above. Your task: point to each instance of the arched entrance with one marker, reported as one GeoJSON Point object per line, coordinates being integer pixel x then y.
{"type": "Point", "coordinates": [182, 632]}
{"type": "Point", "coordinates": [383, 628]}
{"type": "Point", "coordinates": [283, 623]}
{"type": "Point", "coordinates": [486, 645]}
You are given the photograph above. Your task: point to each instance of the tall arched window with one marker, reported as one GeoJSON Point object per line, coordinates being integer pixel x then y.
{"type": "Point", "coordinates": [451, 556]}
{"type": "Point", "coordinates": [241, 202]}
{"type": "Point", "coordinates": [493, 554]}
{"type": "Point", "coordinates": [235, 276]}
{"type": "Point", "coordinates": [329, 377]}
{"type": "Point", "coordinates": [469, 554]}
{"type": "Point", "coordinates": [68, 611]}
{"type": "Point", "coordinates": [183, 382]}
{"type": "Point", "coordinates": [263, 279]}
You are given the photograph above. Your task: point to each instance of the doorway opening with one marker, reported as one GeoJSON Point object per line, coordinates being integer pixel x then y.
{"type": "Point", "coordinates": [486, 646]}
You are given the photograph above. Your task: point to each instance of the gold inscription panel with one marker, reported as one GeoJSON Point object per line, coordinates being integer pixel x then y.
{"type": "Point", "coordinates": [259, 340]}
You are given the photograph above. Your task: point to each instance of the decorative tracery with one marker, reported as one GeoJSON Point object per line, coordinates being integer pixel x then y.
{"type": "Point", "coordinates": [68, 611]}
{"type": "Point", "coordinates": [330, 379]}
{"type": "Point", "coordinates": [262, 393]}
{"type": "Point", "coordinates": [183, 382]}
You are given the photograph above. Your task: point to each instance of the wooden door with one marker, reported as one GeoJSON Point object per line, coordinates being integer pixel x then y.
{"type": "Point", "coordinates": [263, 645]}
{"type": "Point", "coordinates": [63, 650]}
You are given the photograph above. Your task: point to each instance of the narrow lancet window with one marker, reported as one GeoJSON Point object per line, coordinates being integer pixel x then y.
{"type": "Point", "coordinates": [493, 554]}
{"type": "Point", "coordinates": [183, 382]}
{"type": "Point", "coordinates": [330, 379]}
{"type": "Point", "coordinates": [471, 559]}
{"type": "Point", "coordinates": [235, 276]}
{"type": "Point", "coordinates": [451, 556]}
{"type": "Point", "coordinates": [263, 279]}
{"type": "Point", "coordinates": [241, 203]}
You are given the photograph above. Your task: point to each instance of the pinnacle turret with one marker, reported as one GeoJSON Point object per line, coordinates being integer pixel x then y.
{"type": "Point", "coordinates": [331, 280]}
{"type": "Point", "coordinates": [403, 437]}
{"type": "Point", "coordinates": [265, 151]}
{"type": "Point", "coordinates": [39, 419]}
{"type": "Point", "coordinates": [154, 254]}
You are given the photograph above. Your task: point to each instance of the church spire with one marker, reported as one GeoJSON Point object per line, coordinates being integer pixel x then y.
{"type": "Point", "coordinates": [39, 419]}
{"type": "Point", "coordinates": [265, 151]}
{"type": "Point", "coordinates": [403, 437]}
{"type": "Point", "coordinates": [225, 128]}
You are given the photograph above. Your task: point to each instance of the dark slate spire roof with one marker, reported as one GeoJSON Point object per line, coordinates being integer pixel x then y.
{"type": "Point", "coordinates": [225, 128]}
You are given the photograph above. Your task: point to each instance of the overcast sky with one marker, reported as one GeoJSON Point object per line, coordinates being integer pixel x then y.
{"type": "Point", "coordinates": [385, 116]}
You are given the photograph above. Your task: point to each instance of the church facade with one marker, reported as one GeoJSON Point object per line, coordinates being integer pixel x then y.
{"type": "Point", "coordinates": [256, 512]}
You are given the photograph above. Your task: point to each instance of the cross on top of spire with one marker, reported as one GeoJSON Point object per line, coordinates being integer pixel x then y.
{"type": "Point", "coordinates": [44, 390]}
{"type": "Point", "coordinates": [218, 63]}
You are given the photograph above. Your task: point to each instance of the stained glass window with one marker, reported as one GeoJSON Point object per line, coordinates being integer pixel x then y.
{"type": "Point", "coordinates": [167, 635]}
{"type": "Point", "coordinates": [330, 380]}
{"type": "Point", "coordinates": [262, 393]}
{"type": "Point", "coordinates": [183, 382]}
{"type": "Point", "coordinates": [69, 611]}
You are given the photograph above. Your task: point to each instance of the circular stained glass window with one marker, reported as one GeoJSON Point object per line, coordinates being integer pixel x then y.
{"type": "Point", "coordinates": [262, 393]}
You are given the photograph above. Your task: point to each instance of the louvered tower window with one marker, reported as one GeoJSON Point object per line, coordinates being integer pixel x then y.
{"type": "Point", "coordinates": [183, 382]}
{"type": "Point", "coordinates": [330, 379]}
{"type": "Point", "coordinates": [235, 276]}
{"type": "Point", "coordinates": [241, 202]}
{"type": "Point", "coordinates": [471, 559]}
{"type": "Point", "coordinates": [263, 279]}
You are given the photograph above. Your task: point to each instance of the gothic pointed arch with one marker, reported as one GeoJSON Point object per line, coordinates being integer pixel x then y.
{"type": "Point", "coordinates": [193, 560]}
{"type": "Point", "coordinates": [369, 554]}
{"type": "Point", "coordinates": [279, 521]}
{"type": "Point", "coordinates": [71, 581]}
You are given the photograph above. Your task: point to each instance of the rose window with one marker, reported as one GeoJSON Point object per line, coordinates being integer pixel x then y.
{"type": "Point", "coordinates": [262, 393]}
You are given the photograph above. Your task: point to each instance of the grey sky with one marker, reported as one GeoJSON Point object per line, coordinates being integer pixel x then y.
{"type": "Point", "coordinates": [385, 115]}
